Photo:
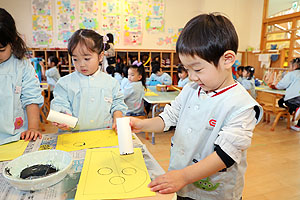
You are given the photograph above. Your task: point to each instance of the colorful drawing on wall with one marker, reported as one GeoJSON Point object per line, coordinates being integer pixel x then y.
{"type": "Point", "coordinates": [132, 23]}
{"type": "Point", "coordinates": [111, 23]}
{"type": "Point", "coordinates": [42, 38]}
{"type": "Point", "coordinates": [111, 7]}
{"type": "Point", "coordinates": [155, 8]}
{"type": "Point", "coordinates": [63, 37]}
{"type": "Point", "coordinates": [88, 14]}
{"type": "Point", "coordinates": [41, 7]}
{"type": "Point", "coordinates": [133, 38]}
{"type": "Point", "coordinates": [169, 40]}
{"type": "Point", "coordinates": [154, 24]}
{"type": "Point", "coordinates": [133, 7]}
{"type": "Point", "coordinates": [40, 22]}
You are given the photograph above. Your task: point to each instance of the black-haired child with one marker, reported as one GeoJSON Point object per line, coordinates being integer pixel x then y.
{"type": "Point", "coordinates": [248, 80]}
{"type": "Point", "coordinates": [134, 91]}
{"type": "Point", "coordinates": [20, 92]}
{"type": "Point", "coordinates": [89, 94]}
{"type": "Point", "coordinates": [52, 74]}
{"type": "Point", "coordinates": [158, 76]}
{"type": "Point", "coordinates": [240, 73]}
{"type": "Point", "coordinates": [214, 116]}
{"type": "Point", "coordinates": [183, 76]}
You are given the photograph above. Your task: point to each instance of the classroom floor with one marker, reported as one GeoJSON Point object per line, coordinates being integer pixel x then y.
{"type": "Point", "coordinates": [273, 161]}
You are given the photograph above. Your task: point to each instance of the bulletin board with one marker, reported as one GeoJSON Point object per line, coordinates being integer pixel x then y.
{"type": "Point", "coordinates": [54, 21]}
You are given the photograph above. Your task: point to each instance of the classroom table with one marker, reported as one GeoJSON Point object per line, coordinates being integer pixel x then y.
{"type": "Point", "coordinates": [66, 188]}
{"type": "Point", "coordinates": [162, 98]}
{"type": "Point", "coordinates": [265, 88]}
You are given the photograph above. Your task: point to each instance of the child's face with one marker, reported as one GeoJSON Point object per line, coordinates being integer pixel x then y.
{"type": "Point", "coordinates": [240, 72]}
{"type": "Point", "coordinates": [159, 73]}
{"type": "Point", "coordinates": [133, 75]}
{"type": "Point", "coordinates": [207, 75]}
{"type": "Point", "coordinates": [5, 53]}
{"type": "Point", "coordinates": [245, 73]}
{"type": "Point", "coordinates": [85, 61]}
{"type": "Point", "coordinates": [182, 75]}
{"type": "Point", "coordinates": [50, 64]}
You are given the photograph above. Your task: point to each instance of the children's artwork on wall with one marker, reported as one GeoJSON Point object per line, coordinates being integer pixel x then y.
{"type": "Point", "coordinates": [132, 38]}
{"type": "Point", "coordinates": [40, 22]}
{"type": "Point", "coordinates": [65, 20]}
{"type": "Point", "coordinates": [42, 38]}
{"type": "Point", "coordinates": [133, 7]}
{"type": "Point", "coordinates": [154, 24]}
{"type": "Point", "coordinates": [111, 7]}
{"type": "Point", "coordinates": [155, 8]}
{"type": "Point", "coordinates": [169, 40]}
{"type": "Point", "coordinates": [42, 25]}
{"type": "Point", "coordinates": [41, 7]}
{"type": "Point", "coordinates": [88, 14]}
{"type": "Point", "coordinates": [111, 23]}
{"type": "Point", "coordinates": [132, 23]}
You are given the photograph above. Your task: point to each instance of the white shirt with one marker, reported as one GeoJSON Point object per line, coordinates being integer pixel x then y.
{"type": "Point", "coordinates": [290, 82]}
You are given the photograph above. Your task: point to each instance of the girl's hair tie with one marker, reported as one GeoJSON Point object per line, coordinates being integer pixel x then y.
{"type": "Point", "coordinates": [137, 63]}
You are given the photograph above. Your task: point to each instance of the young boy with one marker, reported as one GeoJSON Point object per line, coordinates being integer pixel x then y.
{"type": "Point", "coordinates": [214, 117]}
{"type": "Point", "coordinates": [183, 76]}
{"type": "Point", "coordinates": [158, 76]}
{"type": "Point", "coordinates": [239, 72]}
{"type": "Point", "coordinates": [52, 74]}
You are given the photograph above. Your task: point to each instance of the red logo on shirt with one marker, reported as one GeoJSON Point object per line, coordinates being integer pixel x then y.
{"type": "Point", "coordinates": [212, 122]}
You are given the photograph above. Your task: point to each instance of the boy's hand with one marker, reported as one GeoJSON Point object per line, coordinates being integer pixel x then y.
{"type": "Point", "coordinates": [136, 124]}
{"type": "Point", "coordinates": [31, 134]}
{"type": "Point", "coordinates": [63, 127]}
{"type": "Point", "coordinates": [169, 182]}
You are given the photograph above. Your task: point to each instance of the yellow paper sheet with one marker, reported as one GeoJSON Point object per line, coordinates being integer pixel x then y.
{"type": "Point", "coordinates": [259, 88]}
{"type": "Point", "coordinates": [148, 90]}
{"type": "Point", "coordinates": [85, 140]}
{"type": "Point", "coordinates": [108, 175]}
{"type": "Point", "coordinates": [12, 150]}
{"type": "Point", "coordinates": [151, 94]}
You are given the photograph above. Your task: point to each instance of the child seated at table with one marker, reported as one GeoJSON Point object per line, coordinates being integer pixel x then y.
{"type": "Point", "coordinates": [89, 94]}
{"type": "Point", "coordinates": [134, 91]}
{"type": "Point", "coordinates": [158, 76]}
{"type": "Point", "coordinates": [52, 74]}
{"type": "Point", "coordinates": [248, 80]}
{"type": "Point", "coordinates": [239, 73]}
{"type": "Point", "coordinates": [183, 76]}
{"type": "Point", "coordinates": [291, 83]}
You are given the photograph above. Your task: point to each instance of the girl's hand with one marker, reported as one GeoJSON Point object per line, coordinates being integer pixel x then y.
{"type": "Point", "coordinates": [31, 134]}
{"type": "Point", "coordinates": [114, 126]}
{"type": "Point", "coordinates": [136, 124]}
{"type": "Point", "coordinates": [169, 182]}
{"type": "Point", "coordinates": [63, 127]}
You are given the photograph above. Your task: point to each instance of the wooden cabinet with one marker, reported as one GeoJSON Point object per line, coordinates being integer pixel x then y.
{"type": "Point", "coordinates": [64, 58]}
{"type": "Point", "coordinates": [168, 59]}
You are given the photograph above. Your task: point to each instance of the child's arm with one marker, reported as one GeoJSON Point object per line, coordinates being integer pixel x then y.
{"type": "Point", "coordinates": [148, 125]}
{"type": "Point", "coordinates": [33, 116]}
{"type": "Point", "coordinates": [174, 180]}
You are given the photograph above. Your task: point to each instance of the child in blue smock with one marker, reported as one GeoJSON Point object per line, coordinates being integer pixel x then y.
{"type": "Point", "coordinates": [248, 80]}
{"type": "Point", "coordinates": [89, 94]}
{"type": "Point", "coordinates": [20, 92]}
{"type": "Point", "coordinates": [125, 80]}
{"type": "Point", "coordinates": [158, 76]}
{"type": "Point", "coordinates": [183, 76]}
{"type": "Point", "coordinates": [239, 73]}
{"type": "Point", "coordinates": [134, 91]}
{"type": "Point", "coordinates": [214, 116]}
{"type": "Point", "coordinates": [52, 74]}
{"type": "Point", "coordinates": [291, 83]}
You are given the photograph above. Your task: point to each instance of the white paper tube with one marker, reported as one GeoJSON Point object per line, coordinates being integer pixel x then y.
{"type": "Point", "coordinates": [124, 136]}
{"type": "Point", "coordinates": [62, 118]}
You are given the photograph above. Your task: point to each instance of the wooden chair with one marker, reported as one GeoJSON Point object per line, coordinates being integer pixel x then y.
{"type": "Point", "coordinates": [269, 103]}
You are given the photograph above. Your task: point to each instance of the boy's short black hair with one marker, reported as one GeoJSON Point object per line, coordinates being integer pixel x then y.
{"type": "Point", "coordinates": [155, 67]}
{"type": "Point", "coordinates": [54, 59]}
{"type": "Point", "coordinates": [110, 70]}
{"type": "Point", "coordinates": [180, 68]}
{"type": "Point", "coordinates": [208, 36]}
{"type": "Point", "coordinates": [240, 68]}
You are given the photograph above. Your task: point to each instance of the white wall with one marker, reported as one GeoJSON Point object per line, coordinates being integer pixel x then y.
{"type": "Point", "coordinates": [246, 16]}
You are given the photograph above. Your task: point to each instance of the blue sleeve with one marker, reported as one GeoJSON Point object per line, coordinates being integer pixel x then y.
{"type": "Point", "coordinates": [167, 79]}
{"type": "Point", "coordinates": [284, 82]}
{"type": "Point", "coordinates": [61, 102]}
{"type": "Point", "coordinates": [118, 100]}
{"type": "Point", "coordinates": [246, 83]}
{"type": "Point", "coordinates": [127, 91]}
{"type": "Point", "coordinates": [31, 91]}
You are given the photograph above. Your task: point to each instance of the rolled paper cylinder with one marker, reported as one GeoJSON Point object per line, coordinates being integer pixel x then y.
{"type": "Point", "coordinates": [124, 136]}
{"type": "Point", "coordinates": [62, 118]}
